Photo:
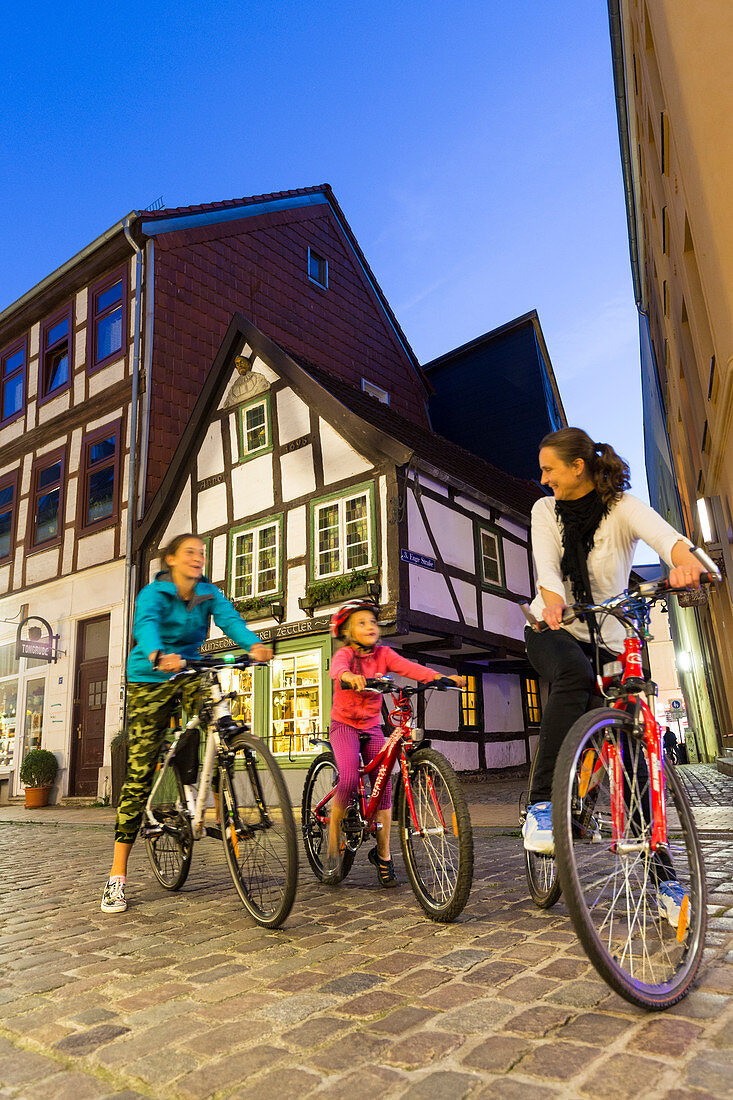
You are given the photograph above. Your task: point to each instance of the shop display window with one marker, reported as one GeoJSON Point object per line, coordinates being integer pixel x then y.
{"type": "Point", "coordinates": [296, 701]}
{"type": "Point", "coordinates": [8, 703]}
{"type": "Point", "coordinates": [241, 683]}
{"type": "Point", "coordinates": [35, 692]}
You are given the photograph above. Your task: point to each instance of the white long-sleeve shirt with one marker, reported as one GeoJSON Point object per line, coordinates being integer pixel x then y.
{"type": "Point", "coordinates": [609, 562]}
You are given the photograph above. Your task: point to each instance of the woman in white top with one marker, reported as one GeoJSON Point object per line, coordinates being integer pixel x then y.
{"type": "Point", "coordinates": [583, 541]}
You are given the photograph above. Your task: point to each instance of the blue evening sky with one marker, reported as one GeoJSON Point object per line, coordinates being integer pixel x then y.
{"type": "Point", "coordinates": [472, 145]}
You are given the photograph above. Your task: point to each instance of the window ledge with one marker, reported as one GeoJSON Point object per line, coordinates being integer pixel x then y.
{"type": "Point", "coordinates": [369, 588]}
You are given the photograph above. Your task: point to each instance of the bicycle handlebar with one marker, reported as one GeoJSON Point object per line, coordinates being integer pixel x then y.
{"type": "Point", "coordinates": [207, 664]}
{"type": "Point", "coordinates": [385, 685]}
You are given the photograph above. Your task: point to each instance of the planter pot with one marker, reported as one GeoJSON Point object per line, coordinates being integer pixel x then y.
{"type": "Point", "coordinates": [269, 611]}
{"type": "Point", "coordinates": [371, 589]}
{"type": "Point", "coordinates": [36, 797]}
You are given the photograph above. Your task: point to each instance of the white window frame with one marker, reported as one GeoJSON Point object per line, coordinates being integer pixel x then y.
{"type": "Point", "coordinates": [322, 263]}
{"type": "Point", "coordinates": [484, 531]}
{"type": "Point", "coordinates": [247, 451]}
{"type": "Point", "coordinates": [375, 391]}
{"type": "Point", "coordinates": [255, 533]}
{"type": "Point", "coordinates": [341, 502]}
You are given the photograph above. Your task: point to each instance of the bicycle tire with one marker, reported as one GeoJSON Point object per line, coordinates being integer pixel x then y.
{"type": "Point", "coordinates": [170, 852]}
{"type": "Point", "coordinates": [258, 831]}
{"type": "Point", "coordinates": [322, 777]}
{"type": "Point", "coordinates": [440, 870]}
{"type": "Point", "coordinates": [642, 957]}
{"type": "Point", "coordinates": [541, 870]}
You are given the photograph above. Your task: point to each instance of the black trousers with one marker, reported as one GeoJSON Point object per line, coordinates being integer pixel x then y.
{"type": "Point", "coordinates": [565, 663]}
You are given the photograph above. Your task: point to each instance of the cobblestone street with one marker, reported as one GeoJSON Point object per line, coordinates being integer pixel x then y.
{"type": "Point", "coordinates": [359, 996]}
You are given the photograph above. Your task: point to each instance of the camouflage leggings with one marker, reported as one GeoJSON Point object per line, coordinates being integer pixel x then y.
{"type": "Point", "coordinates": [150, 708]}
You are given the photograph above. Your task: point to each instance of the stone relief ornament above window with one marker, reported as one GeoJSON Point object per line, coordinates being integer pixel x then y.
{"type": "Point", "coordinates": [249, 384]}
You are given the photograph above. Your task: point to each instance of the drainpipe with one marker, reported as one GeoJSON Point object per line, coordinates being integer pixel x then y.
{"type": "Point", "coordinates": [132, 478]}
{"type": "Point", "coordinates": [148, 375]}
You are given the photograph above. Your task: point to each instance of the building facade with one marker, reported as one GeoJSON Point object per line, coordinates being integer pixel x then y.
{"type": "Point", "coordinates": [674, 98]}
{"type": "Point", "coordinates": [111, 361]}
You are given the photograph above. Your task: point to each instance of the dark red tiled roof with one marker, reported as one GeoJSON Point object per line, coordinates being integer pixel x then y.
{"type": "Point", "coordinates": [439, 452]}
{"type": "Point", "coordinates": [171, 211]}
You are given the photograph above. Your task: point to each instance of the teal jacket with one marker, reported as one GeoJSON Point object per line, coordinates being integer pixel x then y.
{"type": "Point", "coordinates": [165, 623]}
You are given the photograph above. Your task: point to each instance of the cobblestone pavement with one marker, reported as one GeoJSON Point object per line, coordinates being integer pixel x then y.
{"type": "Point", "coordinates": [359, 996]}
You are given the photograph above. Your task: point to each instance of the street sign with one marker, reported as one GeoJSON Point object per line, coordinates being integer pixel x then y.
{"type": "Point", "coordinates": [412, 558]}
{"type": "Point", "coordinates": [675, 704]}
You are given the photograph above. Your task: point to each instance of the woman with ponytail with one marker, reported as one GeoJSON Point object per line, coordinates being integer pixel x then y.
{"type": "Point", "coordinates": [583, 539]}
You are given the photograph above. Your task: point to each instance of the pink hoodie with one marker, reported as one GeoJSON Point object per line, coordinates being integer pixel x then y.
{"type": "Point", "coordinates": [362, 708]}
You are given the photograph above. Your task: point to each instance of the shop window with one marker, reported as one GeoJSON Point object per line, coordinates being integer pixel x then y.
{"type": "Point", "coordinates": [8, 502]}
{"type": "Point", "coordinates": [12, 378]}
{"type": "Point", "coordinates": [490, 558]}
{"type": "Point", "coordinates": [9, 666]}
{"type": "Point", "coordinates": [255, 429]}
{"type": "Point", "coordinates": [256, 561]}
{"type": "Point", "coordinates": [55, 355]}
{"type": "Point", "coordinates": [296, 701]}
{"type": "Point", "coordinates": [531, 701]}
{"type": "Point", "coordinates": [108, 302]}
{"type": "Point", "coordinates": [47, 501]}
{"type": "Point", "coordinates": [317, 269]}
{"type": "Point", "coordinates": [241, 682]}
{"type": "Point", "coordinates": [343, 534]}
{"type": "Point", "coordinates": [99, 477]}
{"type": "Point", "coordinates": [35, 692]}
{"type": "Point", "coordinates": [470, 713]}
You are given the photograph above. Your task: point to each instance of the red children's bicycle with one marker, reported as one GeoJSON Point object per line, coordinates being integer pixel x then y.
{"type": "Point", "coordinates": [429, 806]}
{"type": "Point", "coordinates": [627, 852]}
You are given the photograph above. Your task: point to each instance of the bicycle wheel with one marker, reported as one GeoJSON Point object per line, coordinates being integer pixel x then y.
{"type": "Point", "coordinates": [438, 853]}
{"type": "Point", "coordinates": [321, 779]}
{"type": "Point", "coordinates": [611, 888]}
{"type": "Point", "coordinates": [258, 831]}
{"type": "Point", "coordinates": [170, 850]}
{"type": "Point", "coordinates": [541, 871]}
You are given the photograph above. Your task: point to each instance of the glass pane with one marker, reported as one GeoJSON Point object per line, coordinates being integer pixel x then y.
{"type": "Point", "coordinates": [8, 707]}
{"type": "Point", "coordinates": [241, 684]}
{"type": "Point", "coordinates": [50, 475]}
{"type": "Point", "coordinates": [96, 639]}
{"type": "Point", "coordinates": [267, 560]}
{"type": "Point", "coordinates": [8, 662]}
{"type": "Point", "coordinates": [283, 695]}
{"type": "Point", "coordinates": [6, 496]}
{"type": "Point", "coordinates": [243, 553]}
{"type": "Point", "coordinates": [6, 523]}
{"type": "Point", "coordinates": [490, 555]}
{"type": "Point", "coordinates": [109, 334]}
{"type": "Point", "coordinates": [256, 428]}
{"type": "Point", "coordinates": [107, 298]}
{"type": "Point", "coordinates": [103, 448]}
{"type": "Point", "coordinates": [47, 520]}
{"type": "Point", "coordinates": [14, 362]}
{"type": "Point", "coordinates": [12, 396]}
{"type": "Point", "coordinates": [328, 539]}
{"type": "Point", "coordinates": [33, 726]}
{"type": "Point", "coordinates": [58, 370]}
{"type": "Point", "coordinates": [59, 330]}
{"type": "Point", "coordinates": [357, 532]}
{"type": "Point", "coordinates": [101, 494]}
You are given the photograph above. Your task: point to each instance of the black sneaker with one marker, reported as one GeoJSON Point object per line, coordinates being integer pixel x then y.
{"type": "Point", "coordinates": [385, 869]}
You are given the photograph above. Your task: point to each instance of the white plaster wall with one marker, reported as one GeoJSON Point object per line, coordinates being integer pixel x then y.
{"type": "Point", "coordinates": [4, 578]}
{"type": "Point", "coordinates": [461, 755]}
{"type": "Point", "coordinates": [431, 483]}
{"type": "Point", "coordinates": [513, 528]}
{"type": "Point", "coordinates": [466, 594]}
{"type": "Point", "coordinates": [293, 416]}
{"type": "Point", "coordinates": [68, 556]}
{"type": "Point", "coordinates": [502, 616]}
{"type": "Point", "coordinates": [429, 593]}
{"type": "Point", "coordinates": [382, 497]}
{"type": "Point", "coordinates": [506, 754]}
{"type": "Point", "coordinates": [259, 366]}
{"type": "Point", "coordinates": [298, 474]}
{"type": "Point", "coordinates": [502, 703]}
{"type": "Point", "coordinates": [516, 566]}
{"type": "Point", "coordinates": [13, 431]}
{"type": "Point", "coordinates": [10, 468]}
{"type": "Point", "coordinates": [234, 438]}
{"type": "Point", "coordinates": [33, 342]}
{"type": "Point", "coordinates": [453, 533]}
{"type": "Point", "coordinates": [22, 519]}
{"type": "Point", "coordinates": [102, 379]}
{"type": "Point", "coordinates": [218, 566]}
{"type": "Point", "coordinates": [210, 459]}
{"type": "Point", "coordinates": [295, 588]}
{"type": "Point", "coordinates": [181, 519]}
{"type": "Point", "coordinates": [252, 487]}
{"type": "Point", "coordinates": [232, 379]}
{"type": "Point", "coordinates": [79, 388]}
{"type": "Point", "coordinates": [53, 445]}
{"type": "Point", "coordinates": [31, 413]}
{"type": "Point", "coordinates": [212, 507]}
{"type": "Point", "coordinates": [417, 536]}
{"type": "Point", "coordinates": [295, 535]}
{"type": "Point", "coordinates": [80, 307]}
{"type": "Point", "coordinates": [102, 421]}
{"type": "Point", "coordinates": [80, 347]}
{"type": "Point", "coordinates": [340, 460]}
{"type": "Point", "coordinates": [43, 565]}
{"type": "Point", "coordinates": [94, 549]}
{"type": "Point", "coordinates": [18, 568]}
{"type": "Point", "coordinates": [72, 486]}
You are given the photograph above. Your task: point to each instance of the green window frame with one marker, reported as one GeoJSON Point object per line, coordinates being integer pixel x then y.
{"type": "Point", "coordinates": [490, 557]}
{"type": "Point", "coordinates": [251, 556]}
{"type": "Point", "coordinates": [255, 428]}
{"type": "Point", "coordinates": [343, 532]}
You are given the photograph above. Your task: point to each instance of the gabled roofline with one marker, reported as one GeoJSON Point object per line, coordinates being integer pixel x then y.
{"type": "Point", "coordinates": [530, 318]}
{"type": "Point", "coordinates": [364, 437]}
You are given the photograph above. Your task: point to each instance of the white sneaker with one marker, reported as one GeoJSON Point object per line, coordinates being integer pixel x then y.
{"type": "Point", "coordinates": [673, 903]}
{"type": "Point", "coordinates": [537, 829]}
{"type": "Point", "coordinates": [113, 898]}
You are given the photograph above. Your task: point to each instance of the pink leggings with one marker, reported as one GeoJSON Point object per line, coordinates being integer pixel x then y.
{"type": "Point", "coordinates": [345, 744]}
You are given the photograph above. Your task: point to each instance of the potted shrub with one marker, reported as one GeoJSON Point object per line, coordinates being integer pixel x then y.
{"type": "Point", "coordinates": [37, 773]}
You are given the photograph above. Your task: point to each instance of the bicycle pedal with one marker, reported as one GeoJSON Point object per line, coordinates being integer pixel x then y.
{"type": "Point", "coordinates": [213, 831]}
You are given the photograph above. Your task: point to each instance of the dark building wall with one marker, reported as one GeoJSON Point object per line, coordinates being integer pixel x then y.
{"type": "Point", "coordinates": [258, 266]}
{"type": "Point", "coordinates": [495, 400]}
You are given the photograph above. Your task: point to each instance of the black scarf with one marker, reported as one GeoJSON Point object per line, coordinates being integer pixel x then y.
{"type": "Point", "coordinates": [579, 520]}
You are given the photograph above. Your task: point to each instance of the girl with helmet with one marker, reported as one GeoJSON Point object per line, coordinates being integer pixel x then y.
{"type": "Point", "coordinates": [357, 712]}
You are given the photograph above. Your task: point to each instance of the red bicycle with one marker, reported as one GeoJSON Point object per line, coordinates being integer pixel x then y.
{"type": "Point", "coordinates": [627, 852]}
{"type": "Point", "coordinates": [429, 806]}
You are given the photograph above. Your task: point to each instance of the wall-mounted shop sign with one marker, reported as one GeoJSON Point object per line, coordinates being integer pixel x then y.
{"type": "Point", "coordinates": [34, 644]}
{"type": "Point", "coordinates": [272, 634]}
{"type": "Point", "coordinates": [417, 559]}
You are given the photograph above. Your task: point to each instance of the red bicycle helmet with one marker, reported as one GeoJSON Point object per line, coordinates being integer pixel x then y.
{"type": "Point", "coordinates": [338, 619]}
